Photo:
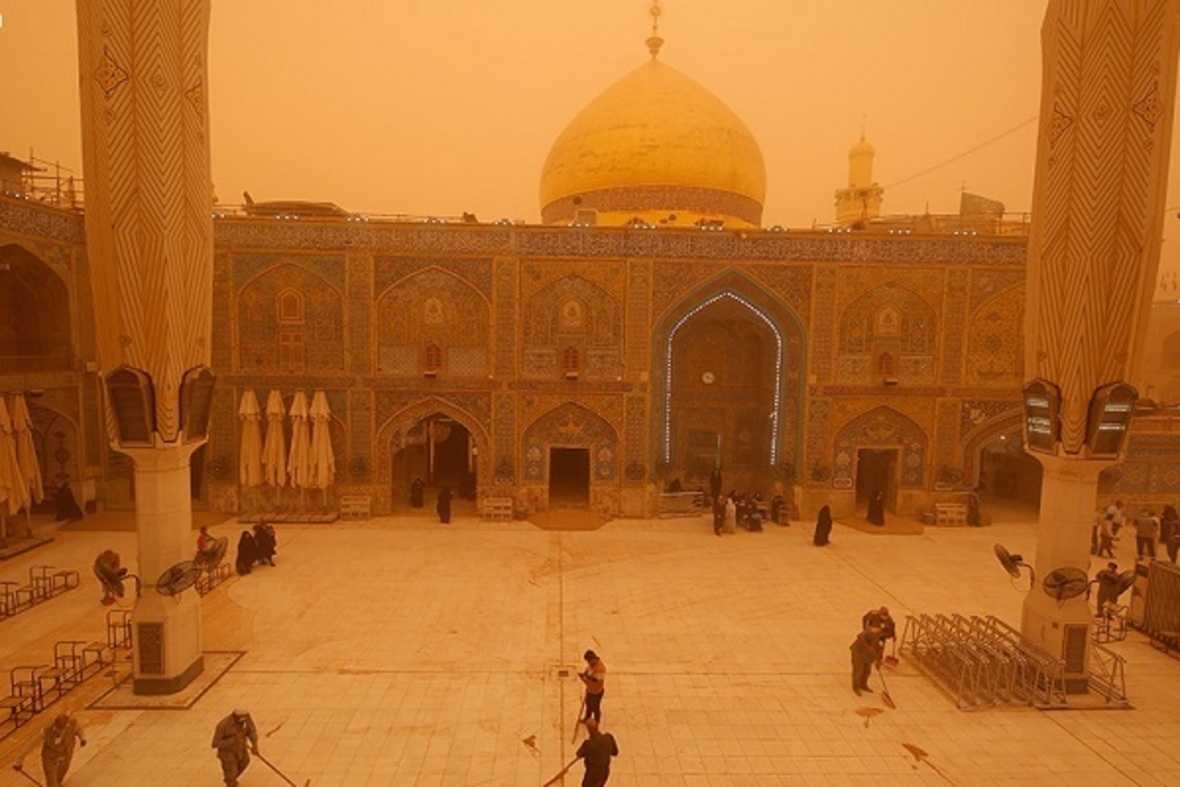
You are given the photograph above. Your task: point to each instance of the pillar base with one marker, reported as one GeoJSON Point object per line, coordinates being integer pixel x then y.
{"type": "Point", "coordinates": [154, 686]}
{"type": "Point", "coordinates": [166, 636]}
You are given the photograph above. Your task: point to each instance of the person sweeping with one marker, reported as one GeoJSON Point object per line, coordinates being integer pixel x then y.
{"type": "Point", "coordinates": [57, 749]}
{"type": "Point", "coordinates": [596, 753]}
{"type": "Point", "coordinates": [231, 737]}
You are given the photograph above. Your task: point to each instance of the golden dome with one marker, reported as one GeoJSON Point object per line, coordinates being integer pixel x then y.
{"type": "Point", "coordinates": [658, 146]}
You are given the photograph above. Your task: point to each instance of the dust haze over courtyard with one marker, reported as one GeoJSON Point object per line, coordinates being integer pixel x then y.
{"type": "Point", "coordinates": [533, 348]}
{"type": "Point", "coordinates": [440, 108]}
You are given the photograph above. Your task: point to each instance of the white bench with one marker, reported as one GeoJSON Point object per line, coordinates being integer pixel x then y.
{"type": "Point", "coordinates": [355, 506]}
{"type": "Point", "coordinates": [950, 514]}
{"type": "Point", "coordinates": [497, 509]}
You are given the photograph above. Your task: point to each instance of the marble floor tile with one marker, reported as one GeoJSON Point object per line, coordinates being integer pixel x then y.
{"type": "Point", "coordinates": [399, 652]}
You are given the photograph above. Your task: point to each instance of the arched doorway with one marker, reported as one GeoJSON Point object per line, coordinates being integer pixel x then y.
{"type": "Point", "coordinates": [439, 450]}
{"type": "Point", "coordinates": [34, 314]}
{"type": "Point", "coordinates": [1009, 475]}
{"type": "Point", "coordinates": [728, 383]}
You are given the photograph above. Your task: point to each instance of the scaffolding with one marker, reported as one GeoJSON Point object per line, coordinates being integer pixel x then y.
{"type": "Point", "coordinates": [40, 181]}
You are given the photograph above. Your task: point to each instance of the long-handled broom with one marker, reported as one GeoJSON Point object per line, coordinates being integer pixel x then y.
{"type": "Point", "coordinates": [578, 720]}
{"type": "Point", "coordinates": [888, 700]}
{"type": "Point", "coordinates": [563, 771]}
{"type": "Point", "coordinates": [282, 775]}
{"type": "Point", "coordinates": [21, 771]}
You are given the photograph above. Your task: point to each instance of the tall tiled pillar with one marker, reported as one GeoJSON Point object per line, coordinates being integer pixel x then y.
{"type": "Point", "coordinates": [1109, 80]}
{"type": "Point", "coordinates": [143, 85]}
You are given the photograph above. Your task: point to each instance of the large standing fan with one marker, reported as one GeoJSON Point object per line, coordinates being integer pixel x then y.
{"type": "Point", "coordinates": [1013, 563]}
{"type": "Point", "coordinates": [1066, 583]}
{"type": "Point", "coordinates": [1126, 580]}
{"type": "Point", "coordinates": [209, 558]}
{"type": "Point", "coordinates": [178, 578]}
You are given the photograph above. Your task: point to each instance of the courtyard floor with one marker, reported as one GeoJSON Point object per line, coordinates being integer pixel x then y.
{"type": "Point", "coordinates": [404, 652]}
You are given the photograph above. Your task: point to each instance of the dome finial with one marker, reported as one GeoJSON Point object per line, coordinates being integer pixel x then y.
{"type": "Point", "coordinates": [654, 42]}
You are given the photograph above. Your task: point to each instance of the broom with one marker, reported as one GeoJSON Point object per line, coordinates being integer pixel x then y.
{"type": "Point", "coordinates": [888, 700]}
{"type": "Point", "coordinates": [891, 660]}
{"type": "Point", "coordinates": [564, 770]}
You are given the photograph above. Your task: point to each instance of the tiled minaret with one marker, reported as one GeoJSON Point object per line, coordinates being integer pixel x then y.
{"type": "Point", "coordinates": [145, 134]}
{"type": "Point", "coordinates": [1109, 79]}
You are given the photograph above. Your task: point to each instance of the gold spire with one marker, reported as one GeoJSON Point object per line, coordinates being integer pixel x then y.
{"type": "Point", "coordinates": [654, 42]}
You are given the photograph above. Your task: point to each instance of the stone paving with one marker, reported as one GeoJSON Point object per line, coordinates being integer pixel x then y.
{"type": "Point", "coordinates": [404, 652]}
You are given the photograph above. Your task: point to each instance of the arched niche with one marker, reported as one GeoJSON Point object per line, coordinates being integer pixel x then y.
{"type": "Point", "coordinates": [432, 308]}
{"type": "Point", "coordinates": [572, 313]}
{"type": "Point", "coordinates": [886, 332]}
{"type": "Point", "coordinates": [290, 320]}
{"type": "Point", "coordinates": [995, 346]}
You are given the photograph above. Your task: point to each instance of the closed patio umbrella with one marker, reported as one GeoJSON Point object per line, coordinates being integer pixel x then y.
{"type": "Point", "coordinates": [299, 465]}
{"type": "Point", "coordinates": [323, 460]}
{"type": "Point", "coordinates": [13, 490]}
{"type": "Point", "coordinates": [26, 455]}
{"type": "Point", "coordinates": [274, 450]}
{"type": "Point", "coordinates": [250, 448]}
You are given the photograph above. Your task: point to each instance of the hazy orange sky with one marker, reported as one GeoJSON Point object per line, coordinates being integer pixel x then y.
{"type": "Point", "coordinates": [428, 107]}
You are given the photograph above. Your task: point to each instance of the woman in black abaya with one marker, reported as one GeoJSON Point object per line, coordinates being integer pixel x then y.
{"type": "Point", "coordinates": [823, 527]}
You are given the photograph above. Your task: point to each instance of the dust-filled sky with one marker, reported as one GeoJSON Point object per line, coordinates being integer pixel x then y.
{"type": "Point", "coordinates": [436, 107]}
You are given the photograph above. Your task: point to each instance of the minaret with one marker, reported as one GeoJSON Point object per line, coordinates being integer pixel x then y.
{"type": "Point", "coordinates": [1108, 82]}
{"type": "Point", "coordinates": [861, 201]}
{"type": "Point", "coordinates": [149, 239]}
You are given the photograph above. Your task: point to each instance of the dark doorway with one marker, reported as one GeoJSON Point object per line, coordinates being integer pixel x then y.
{"type": "Point", "coordinates": [438, 450]}
{"type": "Point", "coordinates": [451, 454]}
{"type": "Point", "coordinates": [1008, 473]}
{"type": "Point", "coordinates": [569, 476]}
{"type": "Point", "coordinates": [874, 472]}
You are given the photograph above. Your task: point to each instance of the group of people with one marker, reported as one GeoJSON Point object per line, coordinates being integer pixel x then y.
{"type": "Point", "coordinates": [746, 510]}
{"type": "Point", "coordinates": [599, 747]}
{"type": "Point", "coordinates": [1151, 530]}
{"type": "Point", "coordinates": [261, 546]}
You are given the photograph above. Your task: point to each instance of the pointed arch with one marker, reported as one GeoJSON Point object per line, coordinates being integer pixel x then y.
{"type": "Point", "coordinates": [399, 424]}
{"type": "Point", "coordinates": [1004, 427]}
{"type": "Point", "coordinates": [269, 343]}
{"type": "Point", "coordinates": [764, 308]}
{"type": "Point", "coordinates": [885, 323]}
{"type": "Point", "coordinates": [35, 313]}
{"type": "Point", "coordinates": [432, 307]}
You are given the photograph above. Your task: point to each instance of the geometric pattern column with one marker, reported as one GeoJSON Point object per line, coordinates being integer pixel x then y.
{"type": "Point", "coordinates": [149, 225]}
{"type": "Point", "coordinates": [1109, 80]}
{"type": "Point", "coordinates": [149, 232]}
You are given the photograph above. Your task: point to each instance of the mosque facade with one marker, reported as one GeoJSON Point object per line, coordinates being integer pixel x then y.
{"type": "Point", "coordinates": [648, 330]}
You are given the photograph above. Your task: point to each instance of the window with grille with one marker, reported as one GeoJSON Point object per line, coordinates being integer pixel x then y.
{"type": "Point", "coordinates": [433, 360]}
{"type": "Point", "coordinates": [885, 365]}
{"type": "Point", "coordinates": [291, 351]}
{"type": "Point", "coordinates": [570, 361]}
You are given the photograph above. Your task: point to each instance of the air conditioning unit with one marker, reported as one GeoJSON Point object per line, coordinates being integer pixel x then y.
{"type": "Point", "coordinates": [571, 375]}
{"type": "Point", "coordinates": [430, 374]}
{"type": "Point", "coordinates": [890, 381]}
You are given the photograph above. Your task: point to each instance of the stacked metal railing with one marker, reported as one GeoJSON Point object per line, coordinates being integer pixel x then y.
{"type": "Point", "coordinates": [983, 661]}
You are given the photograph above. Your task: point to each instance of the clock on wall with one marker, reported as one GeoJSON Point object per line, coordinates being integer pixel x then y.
{"type": "Point", "coordinates": [708, 378]}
